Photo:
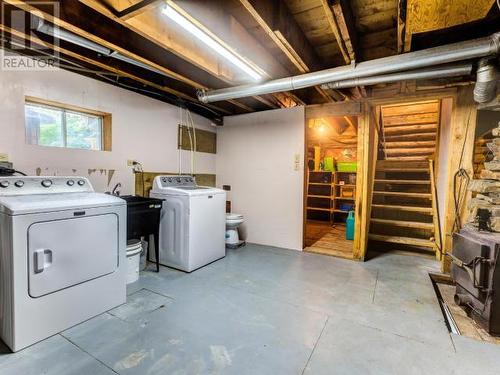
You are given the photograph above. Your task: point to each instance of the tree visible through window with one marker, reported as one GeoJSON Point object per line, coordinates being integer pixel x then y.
{"type": "Point", "coordinates": [58, 127]}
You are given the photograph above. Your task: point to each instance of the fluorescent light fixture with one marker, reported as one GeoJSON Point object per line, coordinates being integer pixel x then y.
{"type": "Point", "coordinates": [187, 25]}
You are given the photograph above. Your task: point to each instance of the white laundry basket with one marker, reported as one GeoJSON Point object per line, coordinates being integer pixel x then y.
{"type": "Point", "coordinates": [134, 249]}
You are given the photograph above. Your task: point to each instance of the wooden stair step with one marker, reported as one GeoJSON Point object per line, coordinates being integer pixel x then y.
{"type": "Point", "coordinates": [402, 240]}
{"type": "Point", "coordinates": [395, 164]}
{"type": "Point", "coordinates": [402, 169]}
{"type": "Point", "coordinates": [402, 223]}
{"type": "Point", "coordinates": [428, 135]}
{"type": "Point", "coordinates": [403, 144]}
{"type": "Point", "coordinates": [410, 151]}
{"type": "Point", "coordinates": [403, 194]}
{"type": "Point", "coordinates": [409, 158]}
{"type": "Point", "coordinates": [427, 210]}
{"type": "Point", "coordinates": [402, 182]}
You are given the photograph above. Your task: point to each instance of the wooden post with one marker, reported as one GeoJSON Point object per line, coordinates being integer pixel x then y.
{"type": "Point", "coordinates": [461, 151]}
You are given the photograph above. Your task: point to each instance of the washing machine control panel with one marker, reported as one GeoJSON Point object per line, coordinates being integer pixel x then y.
{"type": "Point", "coordinates": [176, 181]}
{"type": "Point", "coordinates": [21, 185]}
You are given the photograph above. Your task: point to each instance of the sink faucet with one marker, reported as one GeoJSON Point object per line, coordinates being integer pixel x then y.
{"type": "Point", "coordinates": [117, 189]}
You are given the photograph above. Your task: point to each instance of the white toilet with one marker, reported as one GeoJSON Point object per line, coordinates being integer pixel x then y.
{"type": "Point", "coordinates": [233, 221]}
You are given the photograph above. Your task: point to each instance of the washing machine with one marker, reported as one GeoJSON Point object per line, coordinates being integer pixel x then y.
{"type": "Point", "coordinates": [192, 223]}
{"type": "Point", "coordinates": [62, 256]}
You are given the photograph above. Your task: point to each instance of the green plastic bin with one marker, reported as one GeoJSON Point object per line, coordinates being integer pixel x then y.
{"type": "Point", "coordinates": [347, 166]}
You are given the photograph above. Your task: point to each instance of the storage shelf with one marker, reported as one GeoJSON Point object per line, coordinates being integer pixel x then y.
{"type": "Point", "coordinates": [319, 209]}
{"type": "Point", "coordinates": [336, 200]}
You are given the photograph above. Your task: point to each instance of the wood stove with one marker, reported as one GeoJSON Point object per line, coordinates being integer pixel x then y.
{"type": "Point", "coordinates": [476, 272]}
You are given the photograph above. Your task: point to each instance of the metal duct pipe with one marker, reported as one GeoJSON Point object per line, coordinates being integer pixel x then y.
{"type": "Point", "coordinates": [414, 60]}
{"type": "Point", "coordinates": [70, 37]}
{"type": "Point", "coordinates": [438, 72]}
{"type": "Point", "coordinates": [486, 82]}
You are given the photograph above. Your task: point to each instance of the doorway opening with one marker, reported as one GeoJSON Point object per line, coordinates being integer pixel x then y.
{"type": "Point", "coordinates": [331, 176]}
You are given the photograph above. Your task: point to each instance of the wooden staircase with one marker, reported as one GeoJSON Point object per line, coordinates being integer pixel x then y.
{"type": "Point", "coordinates": [409, 131]}
{"type": "Point", "coordinates": [403, 210]}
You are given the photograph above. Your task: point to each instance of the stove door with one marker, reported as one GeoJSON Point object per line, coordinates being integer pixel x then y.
{"type": "Point", "coordinates": [467, 250]}
{"type": "Point", "coordinates": [64, 253]}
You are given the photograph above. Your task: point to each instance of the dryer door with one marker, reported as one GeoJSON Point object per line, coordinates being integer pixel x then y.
{"type": "Point", "coordinates": [63, 253]}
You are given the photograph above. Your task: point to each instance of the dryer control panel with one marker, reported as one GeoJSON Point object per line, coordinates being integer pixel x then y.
{"type": "Point", "coordinates": [24, 185]}
{"type": "Point", "coordinates": [178, 181]}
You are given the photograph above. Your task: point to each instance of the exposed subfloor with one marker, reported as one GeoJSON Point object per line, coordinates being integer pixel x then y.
{"type": "Point", "coordinates": [265, 310]}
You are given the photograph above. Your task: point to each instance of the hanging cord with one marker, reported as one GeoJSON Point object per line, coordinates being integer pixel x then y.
{"type": "Point", "coordinates": [180, 141]}
{"type": "Point", "coordinates": [194, 145]}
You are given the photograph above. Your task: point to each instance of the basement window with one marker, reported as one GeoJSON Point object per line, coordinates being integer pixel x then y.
{"type": "Point", "coordinates": [53, 124]}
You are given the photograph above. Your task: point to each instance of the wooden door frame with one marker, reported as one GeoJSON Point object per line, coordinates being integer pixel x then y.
{"type": "Point", "coordinates": [339, 109]}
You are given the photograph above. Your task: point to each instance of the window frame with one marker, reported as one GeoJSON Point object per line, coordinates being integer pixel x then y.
{"type": "Point", "coordinates": [105, 120]}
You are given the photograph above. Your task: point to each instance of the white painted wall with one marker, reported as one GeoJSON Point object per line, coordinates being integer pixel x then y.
{"type": "Point", "coordinates": [144, 129]}
{"type": "Point", "coordinates": [255, 155]}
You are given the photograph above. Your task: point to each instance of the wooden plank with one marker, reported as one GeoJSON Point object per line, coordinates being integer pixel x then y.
{"type": "Point", "coordinates": [410, 129]}
{"type": "Point", "coordinates": [403, 208]}
{"type": "Point", "coordinates": [413, 119]}
{"type": "Point", "coordinates": [350, 108]}
{"type": "Point", "coordinates": [344, 17]}
{"type": "Point", "coordinates": [402, 169]}
{"type": "Point", "coordinates": [404, 224]}
{"type": "Point", "coordinates": [402, 240]}
{"type": "Point", "coordinates": [206, 141]}
{"type": "Point", "coordinates": [429, 15]}
{"type": "Point", "coordinates": [402, 182]}
{"type": "Point", "coordinates": [429, 136]}
{"type": "Point", "coordinates": [461, 150]}
{"type": "Point", "coordinates": [279, 24]}
{"type": "Point", "coordinates": [409, 158]}
{"type": "Point", "coordinates": [410, 151]}
{"type": "Point", "coordinates": [393, 164]}
{"type": "Point", "coordinates": [402, 194]}
{"type": "Point", "coordinates": [409, 144]}
{"type": "Point", "coordinates": [401, 28]}
{"type": "Point", "coordinates": [138, 8]}
{"type": "Point", "coordinates": [122, 73]}
{"type": "Point", "coordinates": [332, 22]}
{"type": "Point", "coordinates": [367, 155]}
{"type": "Point", "coordinates": [411, 109]}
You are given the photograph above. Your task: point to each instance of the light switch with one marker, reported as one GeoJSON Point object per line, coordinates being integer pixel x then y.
{"type": "Point", "coordinates": [297, 162]}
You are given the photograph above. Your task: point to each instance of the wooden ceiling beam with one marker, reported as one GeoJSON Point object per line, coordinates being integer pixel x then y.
{"type": "Point", "coordinates": [138, 8]}
{"type": "Point", "coordinates": [76, 17]}
{"type": "Point", "coordinates": [332, 21]}
{"type": "Point", "coordinates": [278, 23]}
{"type": "Point", "coordinates": [119, 72]}
{"type": "Point", "coordinates": [403, 42]}
{"type": "Point", "coordinates": [133, 24]}
{"type": "Point", "coordinates": [344, 18]}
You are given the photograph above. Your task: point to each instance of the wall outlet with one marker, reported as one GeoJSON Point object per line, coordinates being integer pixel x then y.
{"type": "Point", "coordinates": [130, 163]}
{"type": "Point", "coordinates": [4, 157]}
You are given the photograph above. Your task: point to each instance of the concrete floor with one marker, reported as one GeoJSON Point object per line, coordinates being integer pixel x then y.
{"type": "Point", "coordinates": [265, 310]}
